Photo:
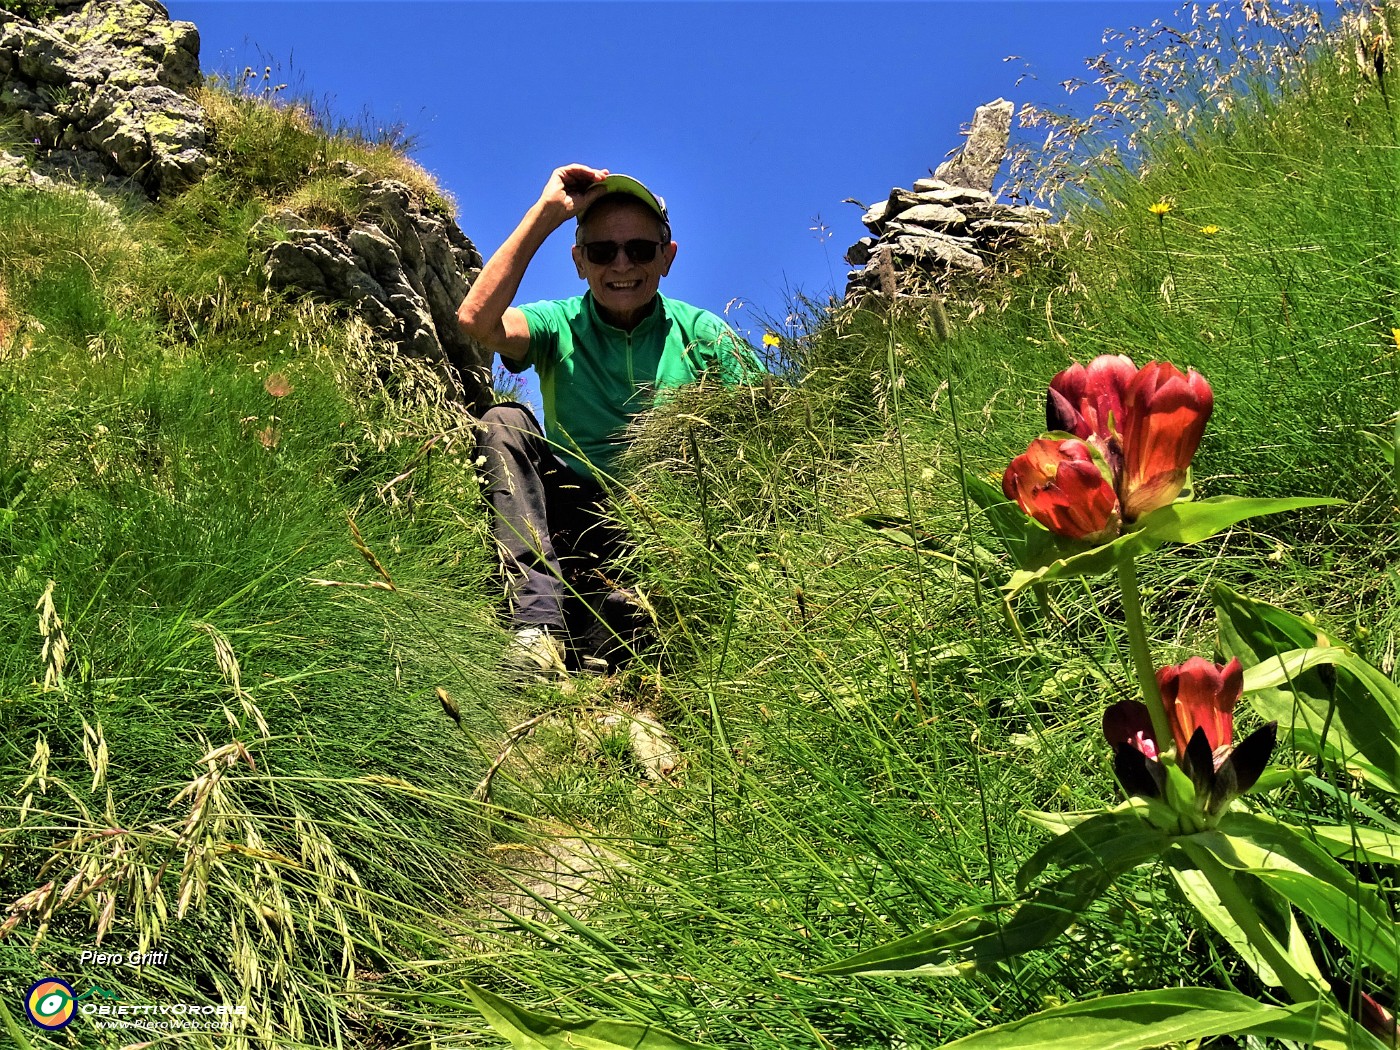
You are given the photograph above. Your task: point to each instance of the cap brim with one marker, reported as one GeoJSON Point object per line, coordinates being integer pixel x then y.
{"type": "Point", "coordinates": [630, 186]}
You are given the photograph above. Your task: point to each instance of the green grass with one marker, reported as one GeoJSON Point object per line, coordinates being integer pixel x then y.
{"type": "Point", "coordinates": [859, 723]}
{"type": "Point", "coordinates": [193, 533]}
{"type": "Point", "coordinates": [861, 727]}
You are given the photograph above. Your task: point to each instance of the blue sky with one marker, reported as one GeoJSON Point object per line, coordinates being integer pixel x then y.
{"type": "Point", "coordinates": [753, 119]}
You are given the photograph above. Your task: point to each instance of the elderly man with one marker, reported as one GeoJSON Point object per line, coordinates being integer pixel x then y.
{"type": "Point", "coordinates": [602, 358]}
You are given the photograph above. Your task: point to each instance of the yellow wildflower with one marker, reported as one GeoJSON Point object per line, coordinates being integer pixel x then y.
{"type": "Point", "coordinates": [1211, 230]}
{"type": "Point", "coordinates": [1160, 208]}
{"type": "Point", "coordinates": [769, 339]}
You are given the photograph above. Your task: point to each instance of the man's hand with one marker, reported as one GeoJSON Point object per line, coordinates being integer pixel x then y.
{"type": "Point", "coordinates": [486, 314]}
{"type": "Point", "coordinates": [570, 190]}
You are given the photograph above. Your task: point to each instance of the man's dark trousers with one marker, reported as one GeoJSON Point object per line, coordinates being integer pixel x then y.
{"type": "Point", "coordinates": [556, 543]}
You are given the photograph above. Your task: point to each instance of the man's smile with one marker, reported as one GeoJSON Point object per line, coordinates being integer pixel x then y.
{"type": "Point", "coordinates": [623, 286]}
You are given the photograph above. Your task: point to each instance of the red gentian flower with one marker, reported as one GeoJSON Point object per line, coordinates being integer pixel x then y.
{"type": "Point", "coordinates": [1200, 694]}
{"type": "Point", "coordinates": [1164, 416]}
{"type": "Point", "coordinates": [1087, 401]}
{"type": "Point", "coordinates": [1058, 482]}
{"type": "Point", "coordinates": [1200, 699]}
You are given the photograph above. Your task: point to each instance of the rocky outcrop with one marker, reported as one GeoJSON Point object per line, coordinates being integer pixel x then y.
{"type": "Point", "coordinates": [947, 230]}
{"type": "Point", "coordinates": [99, 92]}
{"type": "Point", "coordinates": [401, 266]}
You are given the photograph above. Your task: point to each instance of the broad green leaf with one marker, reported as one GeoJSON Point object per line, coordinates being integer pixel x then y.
{"type": "Point", "coordinates": [988, 934]}
{"type": "Point", "coordinates": [1114, 841]}
{"type": "Point", "coordinates": [1385, 446]}
{"type": "Point", "coordinates": [1302, 694]}
{"type": "Point", "coordinates": [1276, 777]}
{"type": "Point", "coordinates": [1279, 925]}
{"type": "Point", "coordinates": [1174, 523]}
{"type": "Point", "coordinates": [1058, 823]}
{"type": "Point", "coordinates": [931, 952]}
{"type": "Point", "coordinates": [1307, 877]}
{"type": "Point", "coordinates": [1358, 713]}
{"type": "Point", "coordinates": [1144, 1020]}
{"type": "Point", "coordinates": [527, 1030]}
{"type": "Point", "coordinates": [1353, 843]}
{"type": "Point", "coordinates": [1338, 747]}
{"type": "Point", "coordinates": [1253, 630]}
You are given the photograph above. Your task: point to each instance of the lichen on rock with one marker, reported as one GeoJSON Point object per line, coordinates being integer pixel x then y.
{"type": "Point", "coordinates": [101, 87]}
{"type": "Point", "coordinates": [100, 90]}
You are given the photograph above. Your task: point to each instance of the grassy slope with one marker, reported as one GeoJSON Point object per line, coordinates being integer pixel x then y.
{"type": "Point", "coordinates": [860, 727]}
{"type": "Point", "coordinates": [182, 513]}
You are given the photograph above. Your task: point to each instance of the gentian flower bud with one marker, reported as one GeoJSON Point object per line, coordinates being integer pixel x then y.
{"type": "Point", "coordinates": [1058, 482]}
{"type": "Point", "coordinates": [1164, 417]}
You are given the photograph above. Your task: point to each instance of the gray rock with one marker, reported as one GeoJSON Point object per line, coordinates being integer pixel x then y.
{"type": "Point", "coordinates": [101, 86]}
{"type": "Point", "coordinates": [38, 55]}
{"type": "Point", "coordinates": [909, 229]}
{"type": "Point", "coordinates": [874, 218]}
{"type": "Point", "coordinates": [15, 171]}
{"type": "Point", "coordinates": [107, 78]}
{"type": "Point", "coordinates": [859, 253]}
{"type": "Point", "coordinates": [947, 229]}
{"type": "Point", "coordinates": [938, 215]}
{"type": "Point", "coordinates": [958, 196]}
{"type": "Point", "coordinates": [85, 167]}
{"type": "Point", "coordinates": [402, 267]}
{"type": "Point", "coordinates": [978, 160]}
{"type": "Point", "coordinates": [131, 38]}
{"type": "Point", "coordinates": [901, 200]}
{"type": "Point", "coordinates": [925, 245]}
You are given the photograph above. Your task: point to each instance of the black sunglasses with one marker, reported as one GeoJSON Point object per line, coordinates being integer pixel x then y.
{"type": "Point", "coordinates": [600, 253]}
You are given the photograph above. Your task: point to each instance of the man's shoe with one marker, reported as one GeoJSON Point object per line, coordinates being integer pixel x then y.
{"type": "Point", "coordinates": [535, 649]}
{"type": "Point", "coordinates": [594, 665]}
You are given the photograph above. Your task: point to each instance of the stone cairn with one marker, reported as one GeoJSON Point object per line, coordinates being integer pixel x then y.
{"type": "Point", "coordinates": [948, 230]}
{"type": "Point", "coordinates": [100, 91]}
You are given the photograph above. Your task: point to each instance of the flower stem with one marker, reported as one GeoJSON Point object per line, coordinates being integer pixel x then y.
{"type": "Point", "coordinates": [1142, 654]}
{"type": "Point", "coordinates": [1171, 270]}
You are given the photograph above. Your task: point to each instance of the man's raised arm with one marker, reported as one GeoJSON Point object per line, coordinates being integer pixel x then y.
{"type": "Point", "coordinates": [486, 314]}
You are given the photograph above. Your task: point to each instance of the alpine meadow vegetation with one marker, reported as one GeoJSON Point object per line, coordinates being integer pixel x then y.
{"type": "Point", "coordinates": [1025, 661]}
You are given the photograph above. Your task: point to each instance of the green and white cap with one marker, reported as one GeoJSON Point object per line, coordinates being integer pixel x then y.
{"type": "Point", "coordinates": [630, 186]}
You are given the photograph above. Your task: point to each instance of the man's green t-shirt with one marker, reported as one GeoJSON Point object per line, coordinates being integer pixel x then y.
{"type": "Point", "coordinates": [596, 378]}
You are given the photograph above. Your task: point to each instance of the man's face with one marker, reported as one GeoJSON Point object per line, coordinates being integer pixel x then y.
{"type": "Point", "coordinates": [623, 289]}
